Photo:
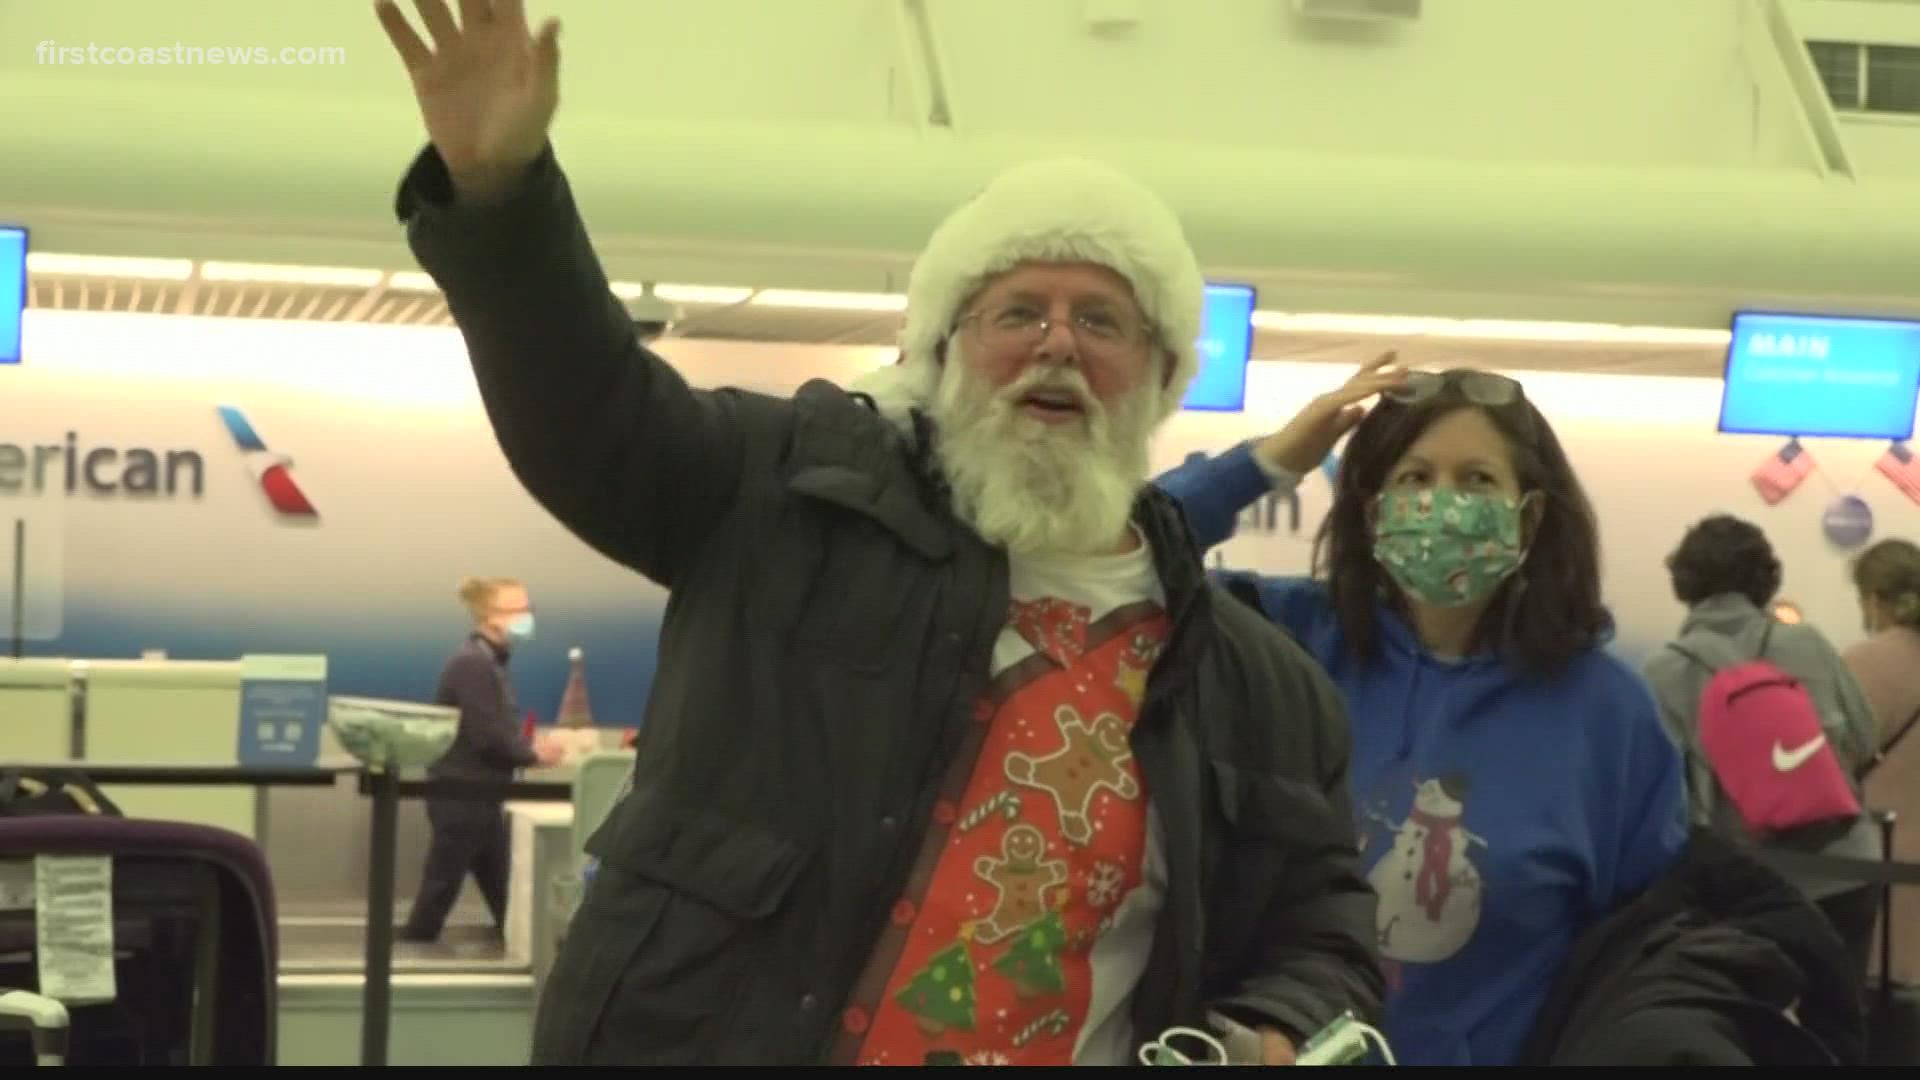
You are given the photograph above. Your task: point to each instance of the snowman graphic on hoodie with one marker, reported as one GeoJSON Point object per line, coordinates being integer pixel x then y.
{"type": "Point", "coordinates": [1429, 890]}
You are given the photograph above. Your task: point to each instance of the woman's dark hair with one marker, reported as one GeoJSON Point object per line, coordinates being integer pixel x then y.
{"type": "Point", "coordinates": [1889, 572]}
{"type": "Point", "coordinates": [1544, 616]}
{"type": "Point", "coordinates": [1723, 554]}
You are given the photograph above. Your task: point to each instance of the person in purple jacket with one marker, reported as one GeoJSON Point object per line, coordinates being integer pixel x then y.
{"type": "Point", "coordinates": [1513, 778]}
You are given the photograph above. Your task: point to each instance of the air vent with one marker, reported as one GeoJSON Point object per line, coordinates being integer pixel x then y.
{"type": "Point", "coordinates": [418, 307]}
{"type": "Point", "coordinates": [1865, 78]}
{"type": "Point", "coordinates": [237, 300]}
{"type": "Point", "coordinates": [105, 294]}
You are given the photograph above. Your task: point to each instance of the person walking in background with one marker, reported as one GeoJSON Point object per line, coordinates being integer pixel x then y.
{"type": "Point", "coordinates": [1726, 572]}
{"type": "Point", "coordinates": [1887, 577]}
{"type": "Point", "coordinates": [1516, 782]}
{"type": "Point", "coordinates": [470, 837]}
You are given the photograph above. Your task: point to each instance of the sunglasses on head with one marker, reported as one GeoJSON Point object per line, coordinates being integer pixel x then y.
{"type": "Point", "coordinates": [1479, 387]}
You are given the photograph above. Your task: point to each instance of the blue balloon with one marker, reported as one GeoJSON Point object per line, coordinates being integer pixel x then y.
{"type": "Point", "coordinates": [1848, 522]}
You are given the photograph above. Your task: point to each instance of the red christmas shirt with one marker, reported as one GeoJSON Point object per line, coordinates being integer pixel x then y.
{"type": "Point", "coordinates": [1047, 841]}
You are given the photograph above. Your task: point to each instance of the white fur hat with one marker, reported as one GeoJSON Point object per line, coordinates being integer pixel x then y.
{"type": "Point", "coordinates": [1054, 210]}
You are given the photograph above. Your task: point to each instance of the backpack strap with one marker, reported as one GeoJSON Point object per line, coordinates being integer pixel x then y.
{"type": "Point", "coordinates": [1888, 746]}
{"type": "Point", "coordinates": [1766, 638]}
{"type": "Point", "coordinates": [1694, 657]}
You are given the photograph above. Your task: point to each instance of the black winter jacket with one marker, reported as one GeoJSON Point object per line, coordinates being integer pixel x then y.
{"type": "Point", "coordinates": [829, 627]}
{"type": "Point", "coordinates": [1721, 962]}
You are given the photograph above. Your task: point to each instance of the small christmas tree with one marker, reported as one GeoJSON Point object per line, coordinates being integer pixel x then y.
{"type": "Point", "coordinates": [1032, 963]}
{"type": "Point", "coordinates": [941, 994]}
{"type": "Point", "coordinates": [575, 710]}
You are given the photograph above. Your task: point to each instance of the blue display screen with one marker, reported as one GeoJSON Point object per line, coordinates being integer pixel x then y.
{"type": "Point", "coordinates": [13, 290]}
{"type": "Point", "coordinates": [1226, 344]}
{"type": "Point", "coordinates": [1821, 375]}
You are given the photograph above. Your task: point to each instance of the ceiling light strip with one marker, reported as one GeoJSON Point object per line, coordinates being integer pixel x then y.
{"type": "Point", "coordinates": [1401, 326]}
{"type": "Point", "coordinates": [1406, 326]}
{"type": "Point", "coordinates": [708, 295]}
{"type": "Point", "coordinates": [109, 266]}
{"type": "Point", "coordinates": [829, 301]}
{"type": "Point", "coordinates": [411, 281]}
{"type": "Point", "coordinates": [348, 277]}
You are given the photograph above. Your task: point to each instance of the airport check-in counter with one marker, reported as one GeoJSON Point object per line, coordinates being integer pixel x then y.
{"type": "Point", "coordinates": [36, 710]}
{"type": "Point", "coordinates": [549, 856]}
{"type": "Point", "coordinates": [140, 712]}
{"type": "Point", "coordinates": [168, 712]}
{"type": "Point", "coordinates": [161, 711]}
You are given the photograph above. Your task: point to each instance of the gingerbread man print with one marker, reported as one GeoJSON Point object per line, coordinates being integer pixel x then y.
{"type": "Point", "coordinates": [1023, 878]}
{"type": "Point", "coordinates": [1094, 759]}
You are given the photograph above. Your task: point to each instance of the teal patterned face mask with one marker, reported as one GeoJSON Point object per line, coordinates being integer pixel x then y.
{"type": "Point", "coordinates": [1448, 548]}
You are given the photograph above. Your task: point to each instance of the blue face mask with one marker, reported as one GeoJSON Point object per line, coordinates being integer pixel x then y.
{"type": "Point", "coordinates": [521, 628]}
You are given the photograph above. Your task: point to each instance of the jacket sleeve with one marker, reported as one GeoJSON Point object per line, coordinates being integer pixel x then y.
{"type": "Point", "coordinates": [602, 432]}
{"type": "Point", "coordinates": [1318, 955]}
{"type": "Point", "coordinates": [1650, 832]}
{"type": "Point", "coordinates": [1213, 491]}
{"type": "Point", "coordinates": [485, 726]}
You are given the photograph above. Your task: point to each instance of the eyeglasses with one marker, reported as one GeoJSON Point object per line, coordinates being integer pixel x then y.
{"type": "Point", "coordinates": [1023, 326]}
{"type": "Point", "coordinates": [1482, 388]}
{"type": "Point", "coordinates": [1479, 387]}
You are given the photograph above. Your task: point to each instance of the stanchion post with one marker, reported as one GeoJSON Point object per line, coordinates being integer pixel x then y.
{"type": "Point", "coordinates": [376, 1009]}
{"type": "Point", "coordinates": [19, 588]}
{"type": "Point", "coordinates": [1888, 820]}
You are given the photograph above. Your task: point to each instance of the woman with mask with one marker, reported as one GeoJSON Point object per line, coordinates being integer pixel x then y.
{"type": "Point", "coordinates": [1513, 780]}
{"type": "Point", "coordinates": [471, 837]}
{"type": "Point", "coordinates": [1887, 577]}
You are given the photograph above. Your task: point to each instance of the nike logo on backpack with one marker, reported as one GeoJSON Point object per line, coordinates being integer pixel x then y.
{"type": "Point", "coordinates": [1785, 760]}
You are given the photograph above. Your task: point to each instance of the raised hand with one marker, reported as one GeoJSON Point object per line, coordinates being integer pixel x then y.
{"type": "Point", "coordinates": [1308, 438]}
{"type": "Point", "coordinates": [487, 88]}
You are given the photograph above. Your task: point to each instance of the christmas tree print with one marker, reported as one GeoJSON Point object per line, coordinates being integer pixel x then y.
{"type": "Point", "coordinates": [1033, 961]}
{"type": "Point", "coordinates": [941, 994]}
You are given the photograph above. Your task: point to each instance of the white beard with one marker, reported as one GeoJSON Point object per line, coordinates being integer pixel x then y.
{"type": "Point", "coordinates": [1037, 488]}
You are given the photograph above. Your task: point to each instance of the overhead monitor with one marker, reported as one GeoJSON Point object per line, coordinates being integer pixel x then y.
{"type": "Point", "coordinates": [1821, 375]}
{"type": "Point", "coordinates": [13, 290]}
{"type": "Point", "coordinates": [1225, 346]}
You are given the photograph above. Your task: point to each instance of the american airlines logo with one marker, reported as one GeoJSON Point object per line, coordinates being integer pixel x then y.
{"type": "Point", "coordinates": [79, 466]}
{"type": "Point", "coordinates": [273, 472]}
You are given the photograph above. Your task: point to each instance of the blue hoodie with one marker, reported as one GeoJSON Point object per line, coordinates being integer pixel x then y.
{"type": "Point", "coordinates": [1498, 817]}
